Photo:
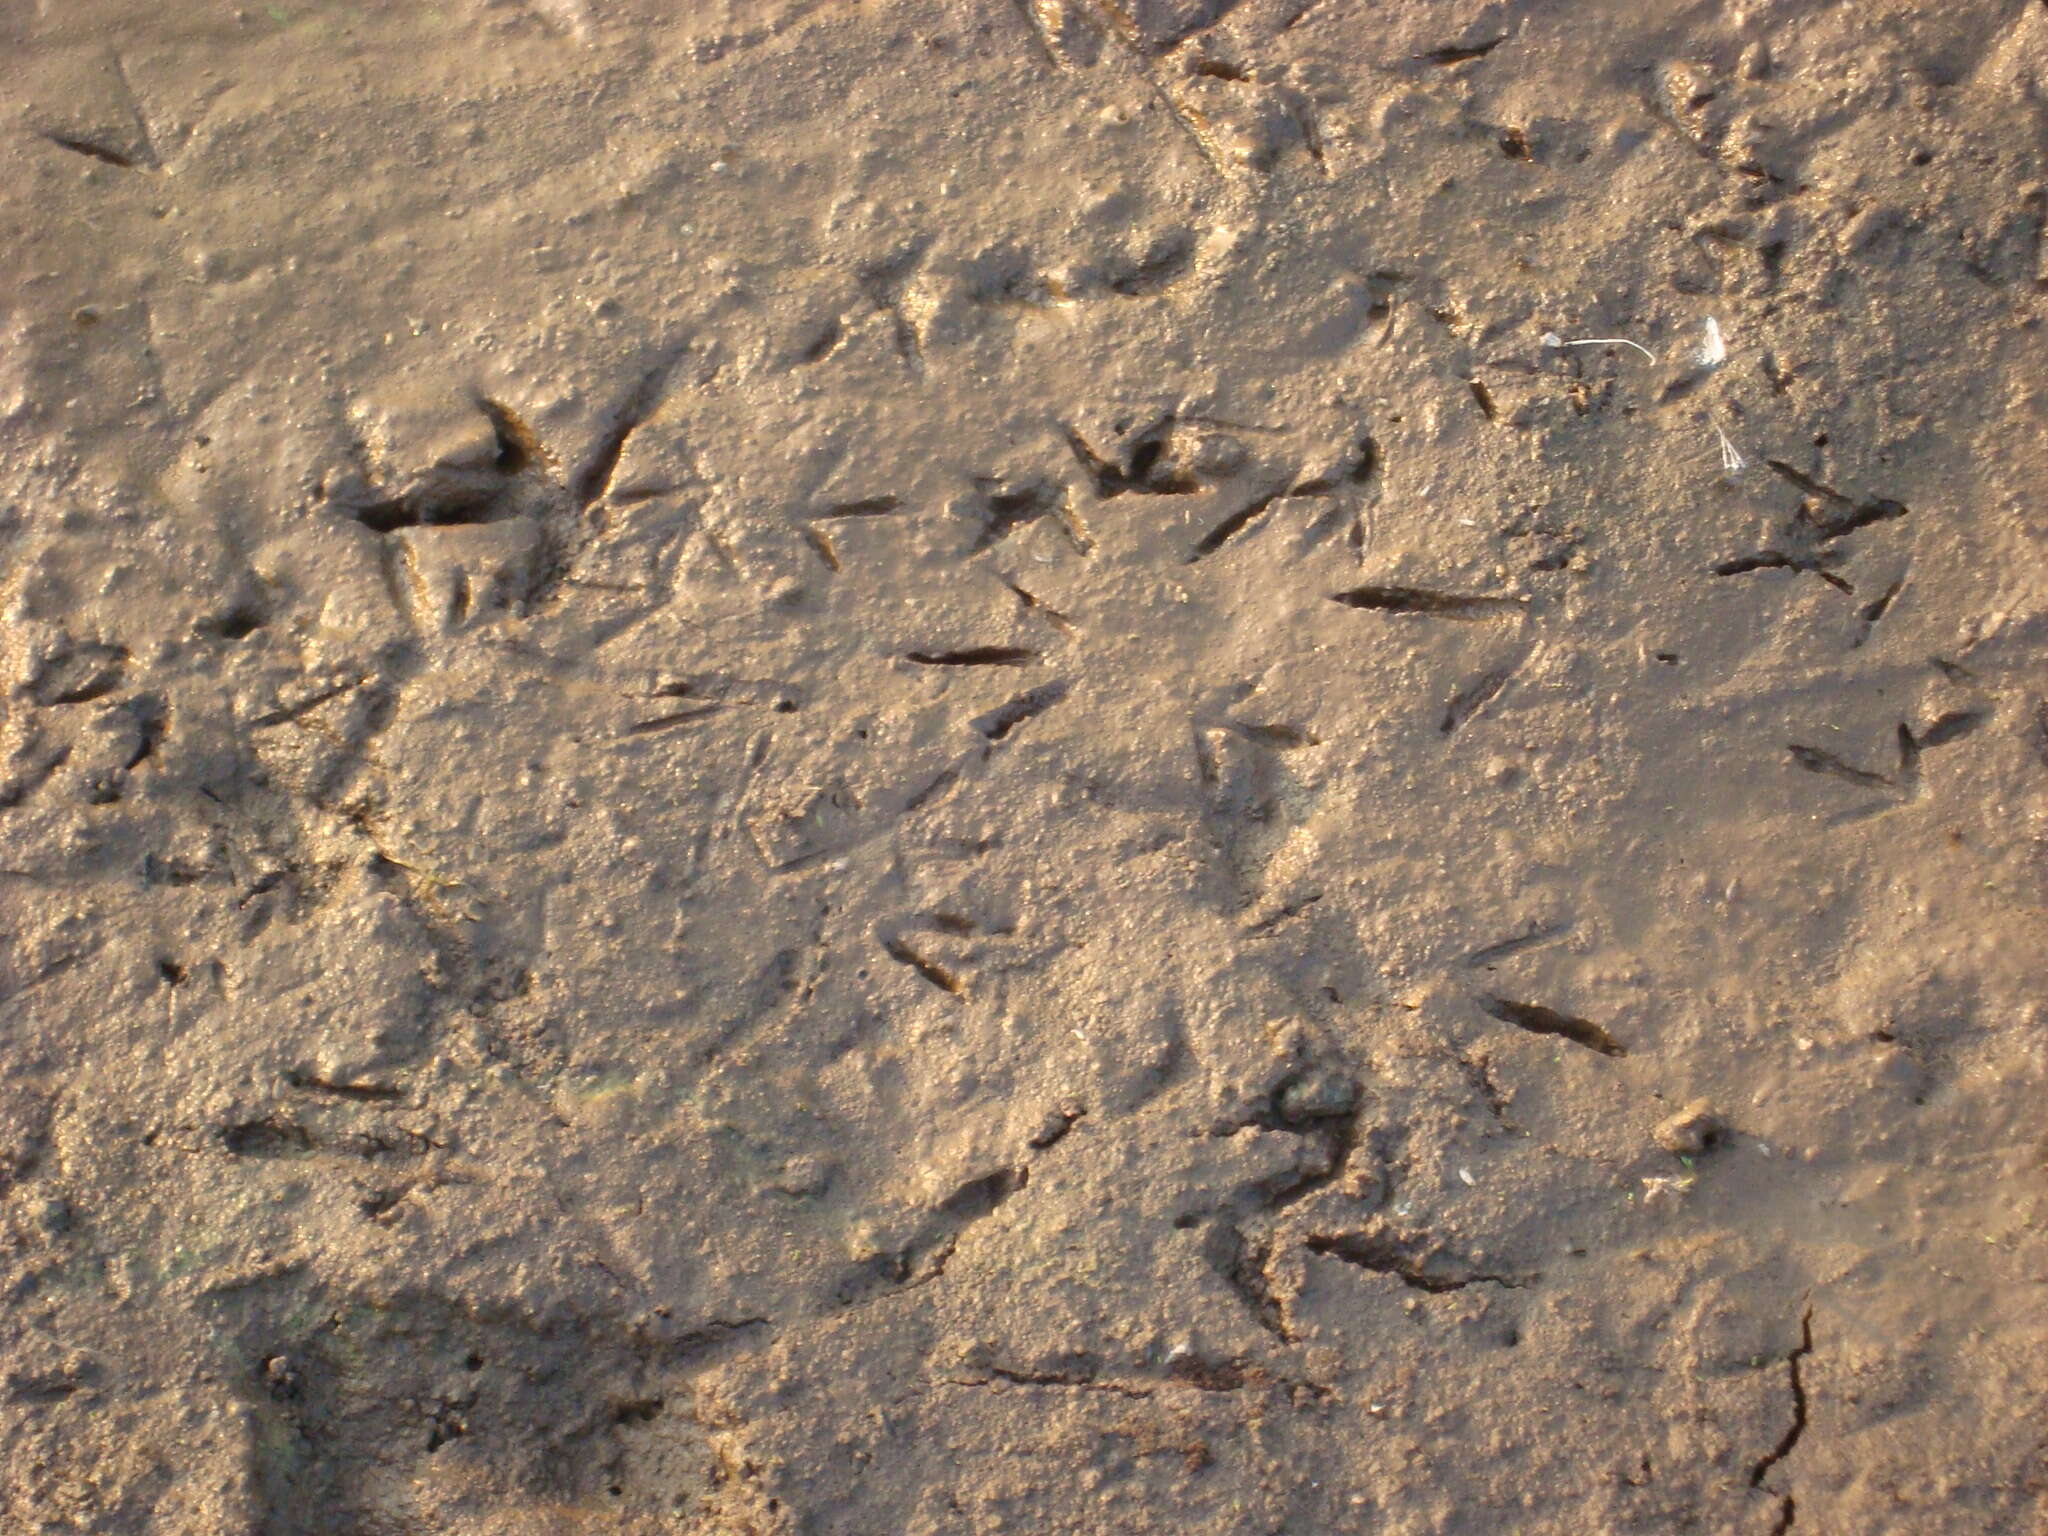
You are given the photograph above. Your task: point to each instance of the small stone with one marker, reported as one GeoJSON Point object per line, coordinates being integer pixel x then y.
{"type": "Point", "coordinates": [1319, 1095]}
{"type": "Point", "coordinates": [1691, 1131]}
{"type": "Point", "coordinates": [803, 1176]}
{"type": "Point", "coordinates": [1217, 455]}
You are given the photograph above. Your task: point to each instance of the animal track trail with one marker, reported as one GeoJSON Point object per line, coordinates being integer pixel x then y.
{"type": "Point", "coordinates": [1903, 783]}
{"type": "Point", "coordinates": [923, 1258]}
{"type": "Point", "coordinates": [1806, 543]}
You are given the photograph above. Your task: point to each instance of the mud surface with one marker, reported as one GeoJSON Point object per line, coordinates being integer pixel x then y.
{"type": "Point", "coordinates": [1023, 767]}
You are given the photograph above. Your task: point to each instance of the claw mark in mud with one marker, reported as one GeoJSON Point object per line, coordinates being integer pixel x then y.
{"type": "Point", "coordinates": [1038, 605]}
{"type": "Point", "coordinates": [1529, 938]}
{"type": "Point", "coordinates": [519, 446]}
{"type": "Point", "coordinates": [367, 1093]}
{"type": "Point", "coordinates": [1055, 1129]}
{"type": "Point", "coordinates": [883, 284]}
{"type": "Point", "coordinates": [1363, 463]}
{"type": "Point", "coordinates": [1281, 738]}
{"type": "Point", "coordinates": [1539, 1020]}
{"type": "Point", "coordinates": [1232, 526]}
{"type": "Point", "coordinates": [1953, 726]}
{"type": "Point", "coordinates": [1475, 696]}
{"type": "Point", "coordinates": [1292, 909]}
{"type": "Point", "coordinates": [595, 477]}
{"type": "Point", "coordinates": [1463, 54]}
{"type": "Point", "coordinates": [266, 1138]}
{"type": "Point", "coordinates": [77, 674]}
{"type": "Point", "coordinates": [1383, 1255]}
{"type": "Point", "coordinates": [1908, 776]}
{"type": "Point", "coordinates": [275, 1137]}
{"type": "Point", "coordinates": [1814, 760]}
{"type": "Point", "coordinates": [923, 1259]}
{"type": "Point", "coordinates": [999, 722]}
{"type": "Point", "coordinates": [1301, 112]}
{"type": "Point", "coordinates": [974, 656]}
{"type": "Point", "coordinates": [1081, 1382]}
{"type": "Point", "coordinates": [1848, 514]}
{"type": "Point", "coordinates": [1787, 1442]}
{"type": "Point", "coordinates": [1163, 263]}
{"type": "Point", "coordinates": [671, 721]}
{"type": "Point", "coordinates": [823, 548]}
{"type": "Point", "coordinates": [867, 506]}
{"type": "Point", "coordinates": [929, 969]}
{"type": "Point", "coordinates": [1420, 600]}
{"type": "Point", "coordinates": [942, 782]}
{"type": "Point", "coordinates": [92, 150]}
{"type": "Point", "coordinates": [1874, 610]}
{"type": "Point", "coordinates": [1242, 1265]}
{"type": "Point", "coordinates": [821, 343]}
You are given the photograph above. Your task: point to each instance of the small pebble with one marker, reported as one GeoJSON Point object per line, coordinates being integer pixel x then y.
{"type": "Point", "coordinates": [1691, 1131]}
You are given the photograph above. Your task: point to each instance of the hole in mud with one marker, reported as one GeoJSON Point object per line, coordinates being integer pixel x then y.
{"type": "Point", "coordinates": [238, 623]}
{"type": "Point", "coordinates": [265, 1138]}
